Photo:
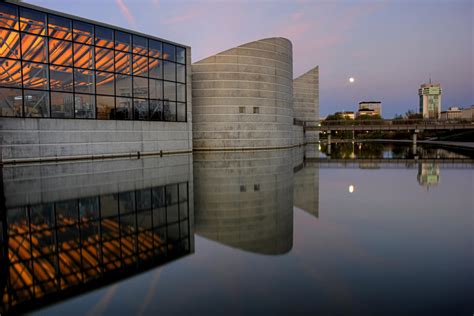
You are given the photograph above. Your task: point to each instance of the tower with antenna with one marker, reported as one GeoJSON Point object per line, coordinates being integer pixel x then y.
{"type": "Point", "coordinates": [430, 99]}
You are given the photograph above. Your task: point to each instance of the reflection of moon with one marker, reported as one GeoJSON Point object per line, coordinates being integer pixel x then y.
{"type": "Point", "coordinates": [351, 79]}
{"type": "Point", "coordinates": [351, 188]}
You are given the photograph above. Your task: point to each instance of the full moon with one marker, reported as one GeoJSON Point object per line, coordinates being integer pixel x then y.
{"type": "Point", "coordinates": [351, 188]}
{"type": "Point", "coordinates": [351, 79]}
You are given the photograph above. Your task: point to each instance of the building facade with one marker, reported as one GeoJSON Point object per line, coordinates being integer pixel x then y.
{"type": "Point", "coordinates": [70, 87]}
{"type": "Point", "coordinates": [430, 100]}
{"type": "Point", "coordinates": [370, 108]}
{"type": "Point", "coordinates": [306, 100]}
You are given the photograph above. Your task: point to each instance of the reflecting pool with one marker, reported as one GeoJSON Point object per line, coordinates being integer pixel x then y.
{"type": "Point", "coordinates": [365, 229]}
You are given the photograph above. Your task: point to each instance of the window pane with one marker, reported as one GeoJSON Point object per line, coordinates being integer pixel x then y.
{"type": "Point", "coordinates": [169, 91]}
{"type": "Point", "coordinates": [10, 73]}
{"type": "Point", "coordinates": [156, 110]}
{"type": "Point", "coordinates": [8, 16]}
{"type": "Point", "coordinates": [156, 89]}
{"type": "Point", "coordinates": [59, 27]}
{"type": "Point", "coordinates": [35, 76]}
{"type": "Point", "coordinates": [180, 55]}
{"type": "Point", "coordinates": [181, 89]}
{"type": "Point", "coordinates": [36, 103]}
{"type": "Point", "coordinates": [62, 105]}
{"type": "Point", "coordinates": [124, 85]}
{"type": "Point", "coordinates": [84, 81]}
{"type": "Point", "coordinates": [140, 65]}
{"type": "Point", "coordinates": [156, 68]}
{"type": "Point", "coordinates": [122, 41]}
{"type": "Point", "coordinates": [169, 70]}
{"type": "Point", "coordinates": [84, 106]}
{"type": "Point", "coordinates": [10, 102]}
{"type": "Point", "coordinates": [32, 21]}
{"type": "Point", "coordinates": [104, 83]}
{"type": "Point", "coordinates": [124, 109]}
{"type": "Point", "coordinates": [140, 45]}
{"type": "Point", "coordinates": [154, 49]}
{"type": "Point", "coordinates": [169, 111]}
{"type": "Point", "coordinates": [60, 52]}
{"type": "Point", "coordinates": [169, 52]}
{"type": "Point", "coordinates": [83, 56]}
{"type": "Point", "coordinates": [104, 59]}
{"type": "Point", "coordinates": [180, 73]}
{"type": "Point", "coordinates": [141, 109]}
{"type": "Point", "coordinates": [105, 107]}
{"type": "Point", "coordinates": [60, 78]}
{"type": "Point", "coordinates": [181, 110]}
{"type": "Point", "coordinates": [140, 87]}
{"type": "Point", "coordinates": [33, 48]}
{"type": "Point", "coordinates": [83, 32]}
{"type": "Point", "coordinates": [123, 62]}
{"type": "Point", "coordinates": [9, 44]}
{"type": "Point", "coordinates": [104, 37]}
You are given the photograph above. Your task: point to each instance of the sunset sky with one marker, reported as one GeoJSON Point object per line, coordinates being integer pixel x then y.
{"type": "Point", "coordinates": [389, 47]}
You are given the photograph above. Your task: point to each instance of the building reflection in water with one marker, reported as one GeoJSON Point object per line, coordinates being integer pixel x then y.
{"type": "Point", "coordinates": [58, 245]}
{"type": "Point", "coordinates": [245, 199]}
{"type": "Point", "coordinates": [428, 174]}
{"type": "Point", "coordinates": [306, 184]}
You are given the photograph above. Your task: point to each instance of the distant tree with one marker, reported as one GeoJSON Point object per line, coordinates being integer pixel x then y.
{"type": "Point", "coordinates": [335, 117]}
{"type": "Point", "coordinates": [398, 117]}
{"type": "Point", "coordinates": [369, 117]}
{"type": "Point", "coordinates": [412, 115]}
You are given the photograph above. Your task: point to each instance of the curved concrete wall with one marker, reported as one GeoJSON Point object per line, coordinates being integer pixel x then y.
{"type": "Point", "coordinates": [306, 100]}
{"type": "Point", "coordinates": [243, 97]}
{"type": "Point", "coordinates": [245, 199]}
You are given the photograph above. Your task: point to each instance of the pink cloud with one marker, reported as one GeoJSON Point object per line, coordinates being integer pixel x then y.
{"type": "Point", "coordinates": [126, 12]}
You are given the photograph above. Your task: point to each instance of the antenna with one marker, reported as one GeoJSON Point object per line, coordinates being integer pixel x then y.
{"type": "Point", "coordinates": [430, 78]}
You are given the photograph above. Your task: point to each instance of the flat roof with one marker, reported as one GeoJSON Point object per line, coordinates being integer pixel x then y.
{"type": "Point", "coordinates": [74, 17]}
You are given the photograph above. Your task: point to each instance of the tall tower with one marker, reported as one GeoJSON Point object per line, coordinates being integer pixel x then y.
{"type": "Point", "coordinates": [430, 100]}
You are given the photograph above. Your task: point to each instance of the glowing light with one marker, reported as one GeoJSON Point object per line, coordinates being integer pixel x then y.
{"type": "Point", "coordinates": [351, 79]}
{"type": "Point", "coordinates": [351, 189]}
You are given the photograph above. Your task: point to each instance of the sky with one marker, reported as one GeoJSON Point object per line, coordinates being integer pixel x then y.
{"type": "Point", "coordinates": [390, 47]}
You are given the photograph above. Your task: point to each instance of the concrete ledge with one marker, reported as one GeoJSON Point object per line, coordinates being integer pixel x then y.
{"type": "Point", "coordinates": [92, 157]}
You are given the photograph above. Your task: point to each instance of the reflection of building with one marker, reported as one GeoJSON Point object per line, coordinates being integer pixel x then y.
{"type": "Point", "coordinates": [85, 76]}
{"type": "Point", "coordinates": [245, 199]}
{"type": "Point", "coordinates": [428, 174]}
{"type": "Point", "coordinates": [369, 108]}
{"type": "Point", "coordinates": [430, 100]}
{"type": "Point", "coordinates": [306, 190]}
{"type": "Point", "coordinates": [70, 231]}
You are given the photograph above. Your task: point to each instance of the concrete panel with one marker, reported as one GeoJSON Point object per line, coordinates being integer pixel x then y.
{"type": "Point", "coordinates": [251, 83]}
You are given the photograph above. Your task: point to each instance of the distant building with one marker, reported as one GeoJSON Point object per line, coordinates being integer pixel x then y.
{"type": "Point", "coordinates": [430, 100]}
{"type": "Point", "coordinates": [370, 108]}
{"type": "Point", "coordinates": [468, 113]}
{"type": "Point", "coordinates": [350, 115]}
{"type": "Point", "coordinates": [452, 113]}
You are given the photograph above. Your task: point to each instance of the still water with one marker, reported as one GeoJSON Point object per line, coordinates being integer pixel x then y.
{"type": "Point", "coordinates": [350, 230]}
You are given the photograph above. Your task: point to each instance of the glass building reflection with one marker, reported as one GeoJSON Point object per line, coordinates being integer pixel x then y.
{"type": "Point", "coordinates": [58, 246]}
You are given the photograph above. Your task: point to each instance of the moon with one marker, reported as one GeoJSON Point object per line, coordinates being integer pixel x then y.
{"type": "Point", "coordinates": [351, 79]}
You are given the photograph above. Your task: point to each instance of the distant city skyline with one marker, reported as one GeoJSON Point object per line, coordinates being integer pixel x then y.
{"type": "Point", "coordinates": [389, 47]}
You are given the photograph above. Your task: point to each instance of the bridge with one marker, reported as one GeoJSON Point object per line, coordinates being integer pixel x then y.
{"type": "Point", "coordinates": [410, 125]}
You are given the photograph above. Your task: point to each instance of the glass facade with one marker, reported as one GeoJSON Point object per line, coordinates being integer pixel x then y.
{"type": "Point", "coordinates": [56, 67]}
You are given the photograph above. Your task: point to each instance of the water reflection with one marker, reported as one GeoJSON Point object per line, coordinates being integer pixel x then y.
{"type": "Point", "coordinates": [245, 200]}
{"type": "Point", "coordinates": [59, 246]}
{"type": "Point", "coordinates": [428, 174]}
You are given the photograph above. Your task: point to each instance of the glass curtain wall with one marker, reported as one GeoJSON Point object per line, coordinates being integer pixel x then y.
{"type": "Point", "coordinates": [56, 67]}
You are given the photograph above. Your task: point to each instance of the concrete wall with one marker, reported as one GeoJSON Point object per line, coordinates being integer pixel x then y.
{"type": "Point", "coordinates": [34, 138]}
{"type": "Point", "coordinates": [256, 76]}
{"type": "Point", "coordinates": [306, 190]}
{"type": "Point", "coordinates": [245, 199]}
{"type": "Point", "coordinates": [306, 100]}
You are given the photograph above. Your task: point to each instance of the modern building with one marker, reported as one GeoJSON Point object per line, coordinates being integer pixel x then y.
{"type": "Point", "coordinates": [467, 114]}
{"type": "Point", "coordinates": [453, 113]}
{"type": "Point", "coordinates": [430, 100]}
{"type": "Point", "coordinates": [243, 97]}
{"type": "Point", "coordinates": [349, 115]}
{"type": "Point", "coordinates": [370, 108]}
{"type": "Point", "coordinates": [72, 88]}
{"type": "Point", "coordinates": [306, 100]}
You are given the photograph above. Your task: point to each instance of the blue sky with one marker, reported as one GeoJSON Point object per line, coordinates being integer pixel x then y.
{"type": "Point", "coordinates": [390, 47]}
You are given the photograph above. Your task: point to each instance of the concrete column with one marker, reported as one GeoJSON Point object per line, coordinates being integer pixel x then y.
{"type": "Point", "coordinates": [414, 137]}
{"type": "Point", "coordinates": [329, 138]}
